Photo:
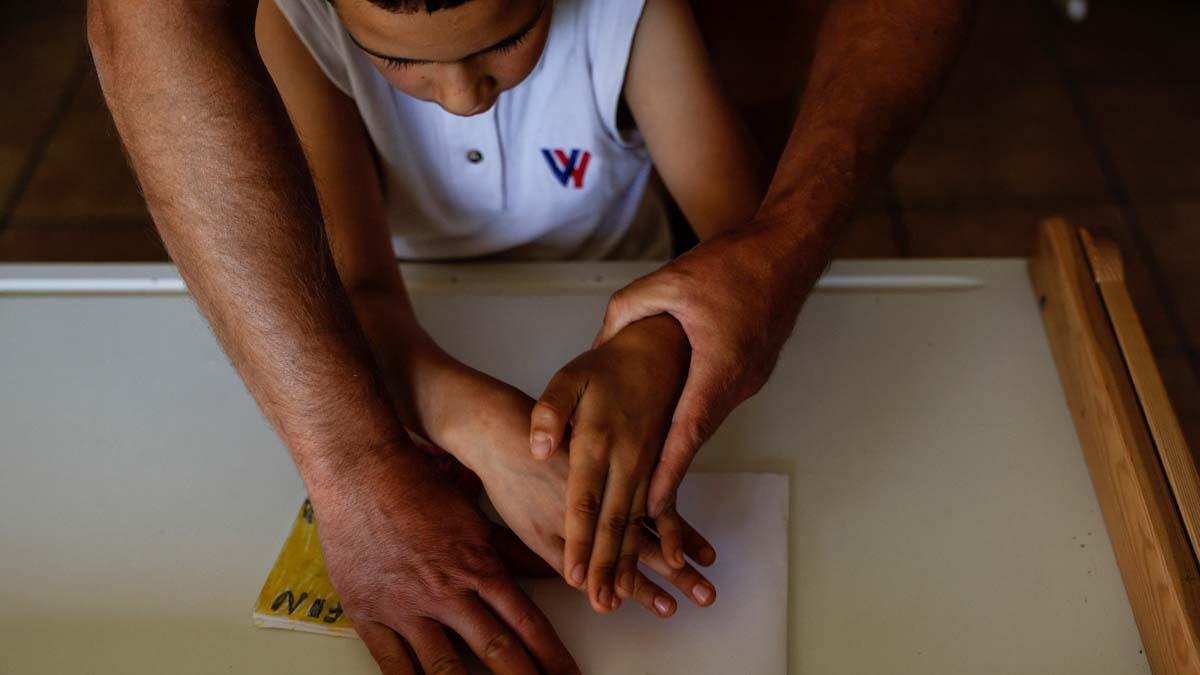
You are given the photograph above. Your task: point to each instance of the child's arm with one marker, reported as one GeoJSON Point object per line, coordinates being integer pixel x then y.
{"type": "Point", "coordinates": [430, 389]}
{"type": "Point", "coordinates": [699, 146]}
{"type": "Point", "coordinates": [618, 405]}
{"type": "Point", "coordinates": [345, 172]}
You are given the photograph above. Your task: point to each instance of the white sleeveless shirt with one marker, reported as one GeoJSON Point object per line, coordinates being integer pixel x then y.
{"type": "Point", "coordinates": [544, 174]}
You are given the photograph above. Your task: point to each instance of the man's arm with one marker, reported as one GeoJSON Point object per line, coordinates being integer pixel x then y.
{"type": "Point", "coordinates": [227, 184]}
{"type": "Point", "coordinates": [877, 65]}
{"type": "Point", "coordinates": [232, 198]}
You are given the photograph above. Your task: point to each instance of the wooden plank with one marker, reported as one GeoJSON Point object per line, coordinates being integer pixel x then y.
{"type": "Point", "coordinates": [1158, 564]}
{"type": "Point", "coordinates": [1108, 271]}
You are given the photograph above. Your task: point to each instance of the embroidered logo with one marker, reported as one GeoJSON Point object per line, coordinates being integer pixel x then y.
{"type": "Point", "coordinates": [568, 167]}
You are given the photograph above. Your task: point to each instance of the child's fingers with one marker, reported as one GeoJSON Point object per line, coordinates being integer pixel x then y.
{"type": "Point", "coordinates": [650, 595]}
{"type": "Point", "coordinates": [548, 421]}
{"type": "Point", "coordinates": [693, 584]}
{"type": "Point", "coordinates": [585, 480]}
{"type": "Point", "coordinates": [610, 531]}
{"type": "Point", "coordinates": [628, 560]}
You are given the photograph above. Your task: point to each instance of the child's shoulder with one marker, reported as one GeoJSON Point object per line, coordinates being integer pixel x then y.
{"type": "Point", "coordinates": [596, 17]}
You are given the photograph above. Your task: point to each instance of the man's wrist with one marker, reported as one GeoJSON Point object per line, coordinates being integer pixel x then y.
{"type": "Point", "coordinates": [328, 469]}
{"type": "Point", "coordinates": [796, 246]}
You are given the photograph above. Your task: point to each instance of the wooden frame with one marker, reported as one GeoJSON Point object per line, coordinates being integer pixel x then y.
{"type": "Point", "coordinates": [1145, 478]}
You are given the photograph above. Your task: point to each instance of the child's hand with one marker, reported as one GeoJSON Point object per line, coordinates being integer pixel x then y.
{"type": "Point", "coordinates": [491, 433]}
{"type": "Point", "coordinates": [618, 400]}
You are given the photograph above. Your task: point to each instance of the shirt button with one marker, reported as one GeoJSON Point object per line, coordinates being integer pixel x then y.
{"type": "Point", "coordinates": [474, 156]}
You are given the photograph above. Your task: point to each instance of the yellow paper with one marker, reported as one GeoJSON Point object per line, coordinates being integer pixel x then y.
{"type": "Point", "coordinates": [298, 594]}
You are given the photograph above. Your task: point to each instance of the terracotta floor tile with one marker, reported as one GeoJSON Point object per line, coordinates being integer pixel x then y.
{"type": "Point", "coordinates": [1011, 232]}
{"type": "Point", "coordinates": [971, 233]}
{"type": "Point", "coordinates": [83, 173]}
{"type": "Point", "coordinates": [994, 231]}
{"type": "Point", "coordinates": [1012, 143]}
{"type": "Point", "coordinates": [1133, 42]}
{"type": "Point", "coordinates": [870, 234]}
{"type": "Point", "coordinates": [1006, 45]}
{"type": "Point", "coordinates": [1174, 233]}
{"type": "Point", "coordinates": [95, 240]}
{"type": "Point", "coordinates": [42, 43]}
{"type": "Point", "coordinates": [1152, 133]}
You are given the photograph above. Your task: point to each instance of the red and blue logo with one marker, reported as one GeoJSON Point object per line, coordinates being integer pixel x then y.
{"type": "Point", "coordinates": [566, 167]}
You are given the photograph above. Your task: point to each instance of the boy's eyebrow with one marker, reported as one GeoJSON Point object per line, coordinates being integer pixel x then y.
{"type": "Point", "coordinates": [516, 35]}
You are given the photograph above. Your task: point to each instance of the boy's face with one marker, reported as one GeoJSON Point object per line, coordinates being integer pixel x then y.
{"type": "Point", "coordinates": [462, 58]}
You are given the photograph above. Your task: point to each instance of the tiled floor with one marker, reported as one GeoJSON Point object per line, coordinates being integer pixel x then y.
{"type": "Point", "coordinates": [1099, 122]}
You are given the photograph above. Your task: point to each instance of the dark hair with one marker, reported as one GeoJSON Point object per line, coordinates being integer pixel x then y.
{"type": "Point", "coordinates": [412, 6]}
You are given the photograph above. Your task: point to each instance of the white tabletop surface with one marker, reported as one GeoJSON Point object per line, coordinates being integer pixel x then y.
{"type": "Point", "coordinates": [942, 519]}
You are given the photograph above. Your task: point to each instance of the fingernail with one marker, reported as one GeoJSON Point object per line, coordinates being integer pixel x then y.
{"type": "Point", "coordinates": [664, 606]}
{"type": "Point", "coordinates": [616, 602]}
{"type": "Point", "coordinates": [541, 445]}
{"type": "Point", "coordinates": [678, 558]}
{"type": "Point", "coordinates": [577, 574]}
{"type": "Point", "coordinates": [605, 597]}
{"type": "Point", "coordinates": [703, 593]}
{"type": "Point", "coordinates": [707, 555]}
{"type": "Point", "coordinates": [626, 582]}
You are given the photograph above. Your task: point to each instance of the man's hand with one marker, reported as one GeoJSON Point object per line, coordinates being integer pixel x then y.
{"type": "Point", "coordinates": [737, 297]}
{"type": "Point", "coordinates": [491, 435]}
{"type": "Point", "coordinates": [409, 553]}
{"type": "Point", "coordinates": [617, 400]}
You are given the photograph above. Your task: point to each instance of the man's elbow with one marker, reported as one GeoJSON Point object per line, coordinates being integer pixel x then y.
{"type": "Point", "coordinates": [115, 27]}
{"type": "Point", "coordinates": [109, 25]}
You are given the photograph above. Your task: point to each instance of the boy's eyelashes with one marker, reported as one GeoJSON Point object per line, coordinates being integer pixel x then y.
{"type": "Point", "coordinates": [499, 48]}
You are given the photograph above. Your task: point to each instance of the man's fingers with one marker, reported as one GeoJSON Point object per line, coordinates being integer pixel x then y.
{"type": "Point", "coordinates": [530, 626]}
{"type": "Point", "coordinates": [519, 559]}
{"type": "Point", "coordinates": [386, 648]}
{"type": "Point", "coordinates": [670, 535]}
{"type": "Point", "coordinates": [495, 645]}
{"type": "Point", "coordinates": [696, 546]}
{"type": "Point", "coordinates": [433, 649]}
{"type": "Point", "coordinates": [627, 561]}
{"type": "Point", "coordinates": [553, 411]}
{"type": "Point", "coordinates": [642, 298]}
{"type": "Point", "coordinates": [610, 531]}
{"type": "Point", "coordinates": [689, 430]}
{"type": "Point", "coordinates": [693, 584]}
{"type": "Point", "coordinates": [585, 482]}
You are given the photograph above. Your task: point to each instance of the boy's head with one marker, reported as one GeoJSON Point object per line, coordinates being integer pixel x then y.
{"type": "Point", "coordinates": [458, 53]}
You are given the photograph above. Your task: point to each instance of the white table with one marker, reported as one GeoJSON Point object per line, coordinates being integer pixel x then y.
{"type": "Point", "coordinates": [942, 518]}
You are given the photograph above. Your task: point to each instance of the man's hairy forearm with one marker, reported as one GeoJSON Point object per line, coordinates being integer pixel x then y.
{"type": "Point", "coordinates": [877, 65]}
{"type": "Point", "coordinates": [227, 184]}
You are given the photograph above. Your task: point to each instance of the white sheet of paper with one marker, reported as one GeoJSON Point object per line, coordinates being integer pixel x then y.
{"type": "Point", "coordinates": [745, 516]}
